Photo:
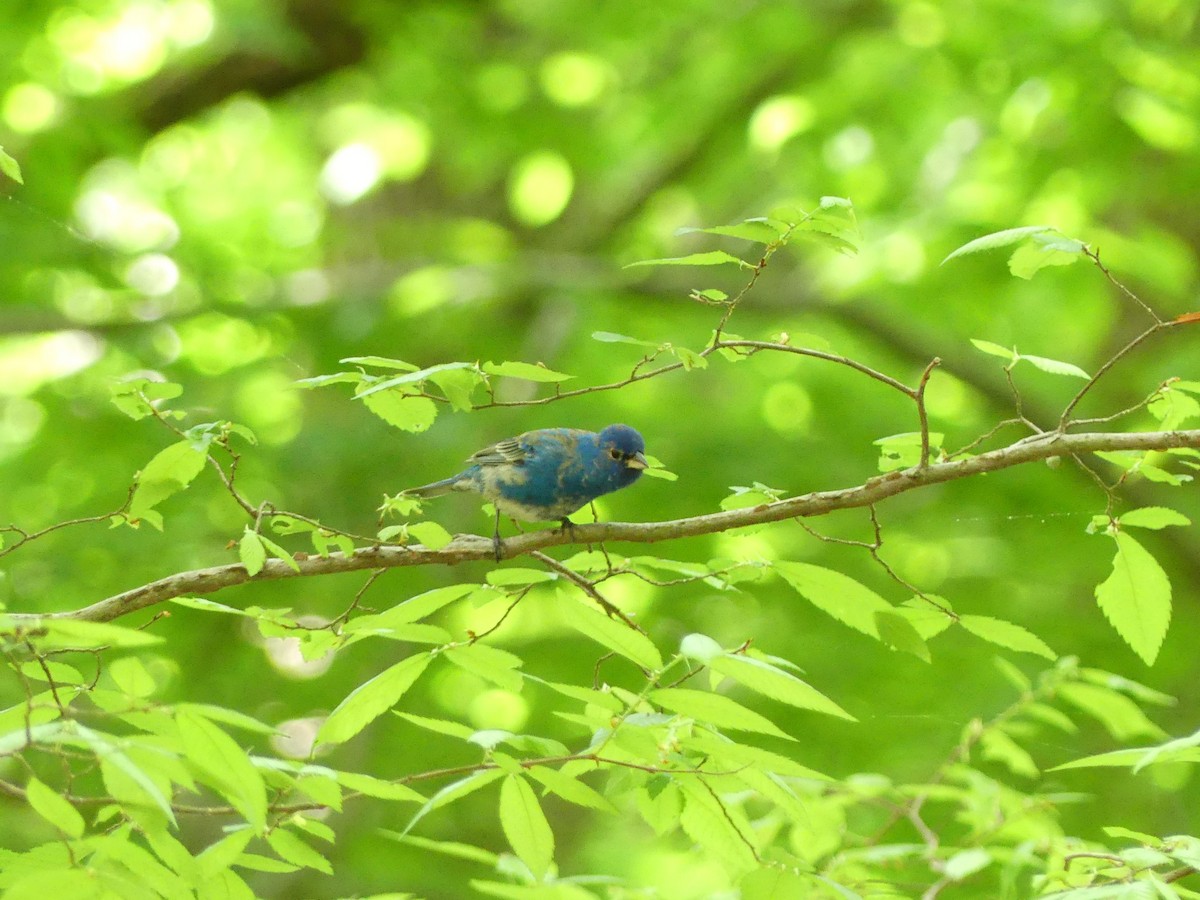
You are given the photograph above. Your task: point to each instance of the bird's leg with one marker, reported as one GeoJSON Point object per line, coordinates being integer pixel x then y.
{"type": "Point", "coordinates": [567, 527]}
{"type": "Point", "coordinates": [497, 545]}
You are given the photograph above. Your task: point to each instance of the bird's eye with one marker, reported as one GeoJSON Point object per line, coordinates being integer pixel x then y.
{"type": "Point", "coordinates": [614, 453]}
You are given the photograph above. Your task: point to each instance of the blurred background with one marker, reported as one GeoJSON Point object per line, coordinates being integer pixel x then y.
{"type": "Point", "coordinates": [236, 194]}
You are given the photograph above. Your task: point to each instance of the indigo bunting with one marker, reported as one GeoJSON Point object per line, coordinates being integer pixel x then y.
{"type": "Point", "coordinates": [540, 476]}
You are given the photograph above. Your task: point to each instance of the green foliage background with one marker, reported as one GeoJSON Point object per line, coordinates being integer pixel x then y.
{"type": "Point", "coordinates": [238, 195]}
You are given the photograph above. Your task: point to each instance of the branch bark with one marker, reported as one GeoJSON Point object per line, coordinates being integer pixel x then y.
{"type": "Point", "coordinates": [468, 548]}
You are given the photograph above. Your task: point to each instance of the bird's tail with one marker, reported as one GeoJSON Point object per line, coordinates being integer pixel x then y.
{"type": "Point", "coordinates": [436, 489]}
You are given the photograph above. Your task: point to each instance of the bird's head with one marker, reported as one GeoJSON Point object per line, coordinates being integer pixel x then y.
{"type": "Point", "coordinates": [625, 447]}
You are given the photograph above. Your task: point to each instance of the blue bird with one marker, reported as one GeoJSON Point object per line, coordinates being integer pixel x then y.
{"type": "Point", "coordinates": [545, 475]}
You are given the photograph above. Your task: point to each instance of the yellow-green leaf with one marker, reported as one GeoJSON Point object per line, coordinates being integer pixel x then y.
{"type": "Point", "coordinates": [525, 825]}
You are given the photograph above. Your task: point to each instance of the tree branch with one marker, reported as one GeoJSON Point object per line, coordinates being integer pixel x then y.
{"type": "Point", "coordinates": [467, 548]}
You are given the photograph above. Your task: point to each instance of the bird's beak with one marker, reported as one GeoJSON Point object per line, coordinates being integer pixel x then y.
{"type": "Point", "coordinates": [637, 461]}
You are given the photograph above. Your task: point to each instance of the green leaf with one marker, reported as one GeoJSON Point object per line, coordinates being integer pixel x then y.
{"type": "Point", "coordinates": [756, 230]}
{"type": "Point", "coordinates": [1043, 251]}
{"type": "Point", "coordinates": [377, 787]}
{"type": "Point", "coordinates": [10, 167]}
{"type": "Point", "coordinates": [458, 386]}
{"type": "Point", "coordinates": [411, 610]}
{"type": "Point", "coordinates": [995, 350]}
{"type": "Point", "coordinates": [415, 378]}
{"type": "Point", "coordinates": [899, 633]}
{"type": "Point", "coordinates": [1154, 517]}
{"type": "Point", "coordinates": [430, 534]}
{"type": "Point", "coordinates": [404, 411]}
{"type": "Point", "coordinates": [1119, 715]}
{"type": "Point", "coordinates": [371, 699]}
{"type": "Point", "coordinates": [518, 575]}
{"type": "Point", "coordinates": [773, 682]}
{"type": "Point", "coordinates": [525, 825]}
{"type": "Point", "coordinates": [291, 848]}
{"type": "Point", "coordinates": [1055, 367]}
{"type": "Point", "coordinates": [219, 761]}
{"type": "Point", "coordinates": [615, 635]}
{"type": "Point", "coordinates": [848, 601]}
{"type": "Point", "coordinates": [61, 634]}
{"type": "Point", "coordinates": [449, 848]}
{"type": "Point", "coordinates": [715, 709]}
{"type": "Point", "coordinates": [455, 791]}
{"type": "Point", "coordinates": [54, 808]}
{"type": "Point", "coordinates": [701, 648]}
{"type": "Point", "coordinates": [280, 553]}
{"type": "Point", "coordinates": [710, 258]}
{"type": "Point", "coordinates": [524, 371]}
{"type": "Point", "coordinates": [379, 362]}
{"type": "Point", "coordinates": [170, 470]}
{"type": "Point", "coordinates": [609, 337]}
{"type": "Point", "coordinates": [1136, 598]}
{"type": "Point", "coordinates": [1006, 634]}
{"type": "Point", "coordinates": [965, 863]}
{"type": "Point", "coordinates": [132, 677]}
{"type": "Point", "coordinates": [489, 663]}
{"type": "Point", "coordinates": [336, 378]}
{"type": "Point", "coordinates": [569, 787]}
{"type": "Point", "coordinates": [206, 605]}
{"type": "Point", "coordinates": [252, 552]}
{"type": "Point", "coordinates": [998, 239]}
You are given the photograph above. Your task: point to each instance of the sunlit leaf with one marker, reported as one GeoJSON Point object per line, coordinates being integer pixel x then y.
{"type": "Point", "coordinates": [371, 699]}
{"type": "Point", "coordinates": [708, 258]}
{"type": "Point", "coordinates": [525, 825]}
{"type": "Point", "coordinates": [524, 371]}
{"type": "Point", "coordinates": [1136, 598]}
{"type": "Point", "coordinates": [996, 239]}
{"type": "Point", "coordinates": [1006, 634]}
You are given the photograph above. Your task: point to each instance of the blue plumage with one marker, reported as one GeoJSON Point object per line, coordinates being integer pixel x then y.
{"type": "Point", "coordinates": [546, 475]}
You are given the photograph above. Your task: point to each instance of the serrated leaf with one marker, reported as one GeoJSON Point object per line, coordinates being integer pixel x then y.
{"type": "Point", "coordinates": [292, 849]}
{"type": "Point", "coordinates": [1136, 598]}
{"type": "Point", "coordinates": [60, 634]}
{"type": "Point", "coordinates": [772, 681]}
{"type": "Point", "coordinates": [457, 385]}
{"type": "Point", "coordinates": [1006, 634]}
{"type": "Point", "coordinates": [899, 633]}
{"type": "Point", "coordinates": [750, 230]}
{"type": "Point", "coordinates": [448, 848]}
{"type": "Point", "coordinates": [220, 762]}
{"type": "Point", "coordinates": [1055, 367]}
{"type": "Point", "coordinates": [252, 552]}
{"type": "Point", "coordinates": [316, 381]}
{"type": "Point", "coordinates": [411, 610]}
{"type": "Point", "coordinates": [54, 808]}
{"type": "Point", "coordinates": [377, 787]}
{"type": "Point", "coordinates": [569, 788]}
{"type": "Point", "coordinates": [709, 258]}
{"type": "Point", "coordinates": [996, 239]}
{"type": "Point", "coordinates": [489, 663]}
{"type": "Point", "coordinates": [715, 709]}
{"type": "Point", "coordinates": [403, 411]}
{"type": "Point", "coordinates": [170, 470]}
{"type": "Point", "coordinates": [615, 635]}
{"type": "Point", "coordinates": [1154, 517]}
{"type": "Point", "coordinates": [1119, 715]}
{"type": "Point", "coordinates": [525, 371]}
{"type": "Point", "coordinates": [414, 377]}
{"type": "Point", "coordinates": [280, 553]}
{"type": "Point", "coordinates": [525, 825]}
{"type": "Point", "coordinates": [456, 791]}
{"type": "Point", "coordinates": [848, 601]}
{"type": "Point", "coordinates": [430, 534]}
{"type": "Point", "coordinates": [371, 699]}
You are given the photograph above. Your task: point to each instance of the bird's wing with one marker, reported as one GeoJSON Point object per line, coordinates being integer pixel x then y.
{"type": "Point", "coordinates": [508, 452]}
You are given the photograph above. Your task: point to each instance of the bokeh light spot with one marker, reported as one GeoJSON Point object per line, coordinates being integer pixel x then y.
{"type": "Point", "coordinates": [778, 119]}
{"type": "Point", "coordinates": [540, 188]}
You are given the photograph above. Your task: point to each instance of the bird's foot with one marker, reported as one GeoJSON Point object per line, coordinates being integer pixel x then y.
{"type": "Point", "coordinates": [567, 527]}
